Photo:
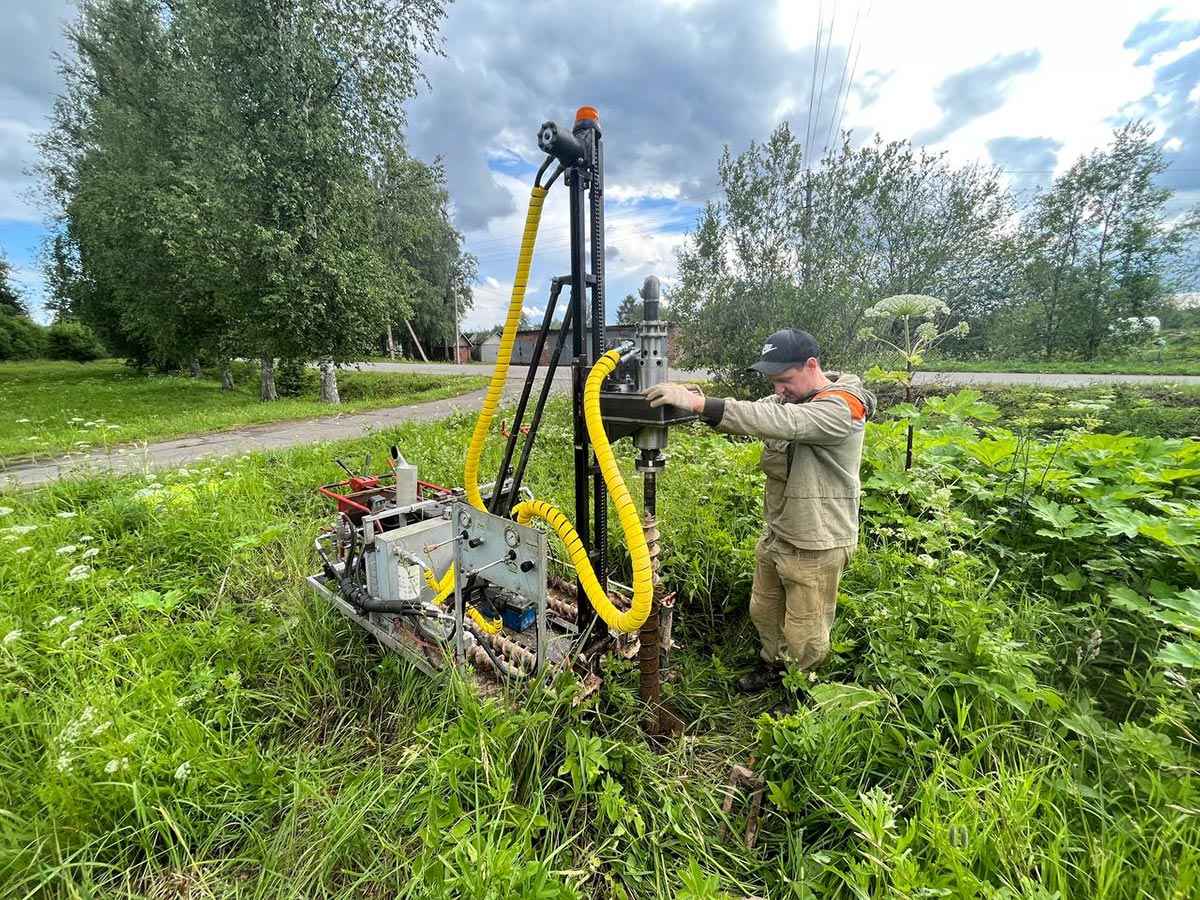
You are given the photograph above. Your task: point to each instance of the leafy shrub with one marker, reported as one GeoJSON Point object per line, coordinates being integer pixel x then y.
{"type": "Point", "coordinates": [294, 379]}
{"type": "Point", "coordinates": [21, 338]}
{"type": "Point", "coordinates": [73, 341]}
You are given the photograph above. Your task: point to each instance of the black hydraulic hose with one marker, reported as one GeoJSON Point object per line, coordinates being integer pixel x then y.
{"type": "Point", "coordinates": [500, 503]}
{"type": "Point", "coordinates": [535, 420]}
{"type": "Point", "coordinates": [537, 179]}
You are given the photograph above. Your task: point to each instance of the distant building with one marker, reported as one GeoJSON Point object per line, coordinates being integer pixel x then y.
{"type": "Point", "coordinates": [527, 340]}
{"type": "Point", "coordinates": [489, 349]}
{"type": "Point", "coordinates": [447, 352]}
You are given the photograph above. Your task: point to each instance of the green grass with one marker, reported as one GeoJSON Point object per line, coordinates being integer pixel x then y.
{"type": "Point", "coordinates": [1066, 367]}
{"type": "Point", "coordinates": [1180, 356]}
{"type": "Point", "coordinates": [181, 718]}
{"type": "Point", "coordinates": [57, 407]}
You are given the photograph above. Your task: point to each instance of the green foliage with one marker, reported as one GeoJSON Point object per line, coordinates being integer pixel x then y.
{"type": "Point", "coordinates": [1096, 248]}
{"type": "Point", "coordinates": [21, 338]}
{"type": "Point", "coordinates": [294, 379]}
{"type": "Point", "coordinates": [73, 341]}
{"type": "Point", "coordinates": [180, 712]}
{"type": "Point", "coordinates": [11, 303]}
{"type": "Point", "coordinates": [54, 408]}
{"type": "Point", "coordinates": [811, 245]}
{"type": "Point", "coordinates": [212, 167]}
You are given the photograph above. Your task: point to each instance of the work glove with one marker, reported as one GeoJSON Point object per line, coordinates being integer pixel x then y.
{"type": "Point", "coordinates": [685, 396]}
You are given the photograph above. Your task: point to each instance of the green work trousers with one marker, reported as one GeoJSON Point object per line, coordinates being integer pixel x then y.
{"type": "Point", "coordinates": [794, 599]}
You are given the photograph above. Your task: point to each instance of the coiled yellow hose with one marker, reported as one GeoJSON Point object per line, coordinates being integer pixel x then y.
{"type": "Point", "coordinates": [631, 524]}
{"type": "Point", "coordinates": [507, 340]}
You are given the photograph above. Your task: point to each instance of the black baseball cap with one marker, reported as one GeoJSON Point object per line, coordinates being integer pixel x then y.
{"type": "Point", "coordinates": [785, 349]}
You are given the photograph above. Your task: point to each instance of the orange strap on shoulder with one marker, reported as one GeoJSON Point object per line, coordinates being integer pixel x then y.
{"type": "Point", "coordinates": [858, 412]}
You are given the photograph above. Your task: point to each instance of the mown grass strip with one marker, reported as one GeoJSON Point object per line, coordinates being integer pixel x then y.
{"type": "Point", "coordinates": [51, 408]}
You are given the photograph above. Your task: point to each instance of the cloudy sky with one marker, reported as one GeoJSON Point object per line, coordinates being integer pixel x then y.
{"type": "Point", "coordinates": [1029, 85]}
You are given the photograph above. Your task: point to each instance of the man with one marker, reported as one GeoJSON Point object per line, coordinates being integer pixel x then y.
{"type": "Point", "coordinates": [812, 430]}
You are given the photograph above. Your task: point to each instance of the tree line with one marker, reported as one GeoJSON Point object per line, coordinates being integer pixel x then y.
{"type": "Point", "coordinates": [815, 246]}
{"type": "Point", "coordinates": [231, 180]}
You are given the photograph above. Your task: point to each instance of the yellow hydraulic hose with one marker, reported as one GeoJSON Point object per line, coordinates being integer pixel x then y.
{"type": "Point", "coordinates": [443, 588]}
{"type": "Point", "coordinates": [507, 340]}
{"type": "Point", "coordinates": [631, 524]}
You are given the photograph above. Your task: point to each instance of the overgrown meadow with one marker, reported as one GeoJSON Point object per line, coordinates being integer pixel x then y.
{"type": "Point", "coordinates": [1011, 709]}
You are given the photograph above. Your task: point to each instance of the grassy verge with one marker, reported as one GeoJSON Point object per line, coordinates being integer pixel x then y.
{"type": "Point", "coordinates": [57, 407]}
{"type": "Point", "coordinates": [1010, 709]}
{"type": "Point", "coordinates": [1180, 355]}
{"type": "Point", "coordinates": [1165, 369]}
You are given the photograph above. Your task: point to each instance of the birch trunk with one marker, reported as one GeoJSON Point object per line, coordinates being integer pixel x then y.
{"type": "Point", "coordinates": [329, 385]}
{"type": "Point", "coordinates": [266, 383]}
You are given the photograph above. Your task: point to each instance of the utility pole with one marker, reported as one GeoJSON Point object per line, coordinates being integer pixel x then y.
{"type": "Point", "coordinates": [457, 334]}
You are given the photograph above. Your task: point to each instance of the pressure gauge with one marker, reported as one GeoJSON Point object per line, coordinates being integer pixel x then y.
{"type": "Point", "coordinates": [464, 519]}
{"type": "Point", "coordinates": [511, 537]}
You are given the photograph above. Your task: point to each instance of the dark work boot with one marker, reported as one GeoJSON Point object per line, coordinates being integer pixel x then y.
{"type": "Point", "coordinates": [763, 677]}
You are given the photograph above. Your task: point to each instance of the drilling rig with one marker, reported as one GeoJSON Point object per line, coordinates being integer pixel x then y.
{"type": "Point", "coordinates": [462, 576]}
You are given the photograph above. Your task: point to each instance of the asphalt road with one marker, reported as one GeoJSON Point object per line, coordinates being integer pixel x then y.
{"type": "Point", "coordinates": [340, 427]}
{"type": "Point", "coordinates": [517, 373]}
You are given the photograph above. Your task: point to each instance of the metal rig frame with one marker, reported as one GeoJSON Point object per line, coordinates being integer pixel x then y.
{"type": "Point", "coordinates": [491, 553]}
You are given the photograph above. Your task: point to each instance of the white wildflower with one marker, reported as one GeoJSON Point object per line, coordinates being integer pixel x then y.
{"type": "Point", "coordinates": [927, 331]}
{"type": "Point", "coordinates": [90, 552]}
{"type": "Point", "coordinates": [184, 770]}
{"type": "Point", "coordinates": [57, 620]}
{"type": "Point", "coordinates": [927, 561]}
{"type": "Point", "coordinates": [64, 763]}
{"type": "Point", "coordinates": [24, 549]}
{"type": "Point", "coordinates": [89, 424]}
{"type": "Point", "coordinates": [911, 305]}
{"type": "Point", "coordinates": [74, 625]}
{"type": "Point", "coordinates": [23, 421]}
{"type": "Point", "coordinates": [84, 538]}
{"type": "Point", "coordinates": [76, 418]}
{"type": "Point", "coordinates": [6, 510]}
{"type": "Point", "coordinates": [113, 427]}
{"type": "Point", "coordinates": [101, 728]}
{"type": "Point", "coordinates": [67, 642]}
{"type": "Point", "coordinates": [79, 573]}
{"type": "Point", "coordinates": [114, 764]}
{"type": "Point", "coordinates": [130, 738]}
{"type": "Point", "coordinates": [22, 529]}
{"type": "Point", "coordinates": [63, 551]}
{"type": "Point", "coordinates": [67, 514]}
{"type": "Point", "coordinates": [12, 636]}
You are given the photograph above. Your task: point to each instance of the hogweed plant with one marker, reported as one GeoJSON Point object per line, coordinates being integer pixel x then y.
{"type": "Point", "coordinates": [919, 332]}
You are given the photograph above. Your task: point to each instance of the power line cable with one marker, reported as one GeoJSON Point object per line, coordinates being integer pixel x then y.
{"type": "Point", "coordinates": [842, 80]}
{"type": "Point", "coordinates": [812, 84]}
{"type": "Point", "coordinates": [854, 68]}
{"type": "Point", "coordinates": [824, 70]}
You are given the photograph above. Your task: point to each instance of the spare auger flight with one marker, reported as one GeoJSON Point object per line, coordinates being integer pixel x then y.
{"type": "Point", "coordinates": [460, 576]}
